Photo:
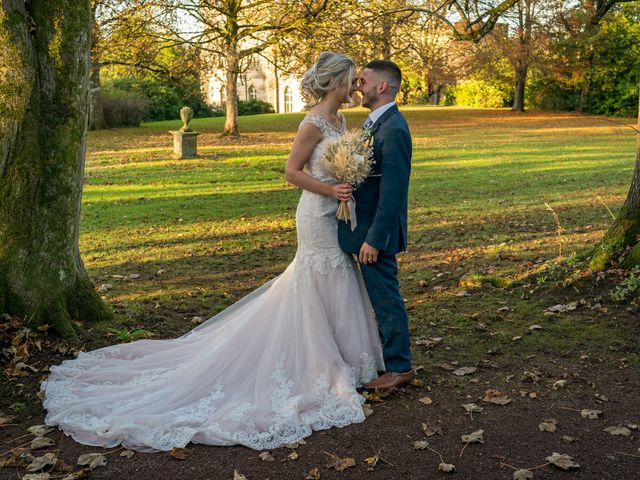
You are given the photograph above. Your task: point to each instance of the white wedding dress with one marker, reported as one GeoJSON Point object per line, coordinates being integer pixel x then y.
{"type": "Point", "coordinates": [282, 362]}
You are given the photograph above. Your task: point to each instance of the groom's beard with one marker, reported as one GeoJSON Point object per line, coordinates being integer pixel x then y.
{"type": "Point", "coordinates": [368, 100]}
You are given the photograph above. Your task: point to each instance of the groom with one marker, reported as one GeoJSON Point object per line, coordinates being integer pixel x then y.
{"type": "Point", "coordinates": [381, 213]}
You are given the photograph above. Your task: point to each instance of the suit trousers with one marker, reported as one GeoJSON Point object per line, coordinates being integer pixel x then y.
{"type": "Point", "coordinates": [381, 280]}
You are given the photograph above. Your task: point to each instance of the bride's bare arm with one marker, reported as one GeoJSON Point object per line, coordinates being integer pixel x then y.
{"type": "Point", "coordinates": [303, 145]}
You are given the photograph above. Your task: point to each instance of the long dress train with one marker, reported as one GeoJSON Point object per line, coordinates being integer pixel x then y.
{"type": "Point", "coordinates": [280, 363]}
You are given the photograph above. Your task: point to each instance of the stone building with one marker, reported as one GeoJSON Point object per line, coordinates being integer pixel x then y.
{"type": "Point", "coordinates": [260, 80]}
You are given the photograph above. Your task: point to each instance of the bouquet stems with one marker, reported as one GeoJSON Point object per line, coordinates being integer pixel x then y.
{"type": "Point", "coordinates": [343, 212]}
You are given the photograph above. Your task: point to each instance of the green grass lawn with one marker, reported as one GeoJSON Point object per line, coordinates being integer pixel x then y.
{"type": "Point", "coordinates": [204, 232]}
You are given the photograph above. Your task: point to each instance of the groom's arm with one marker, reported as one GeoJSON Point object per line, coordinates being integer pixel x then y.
{"type": "Point", "coordinates": [394, 185]}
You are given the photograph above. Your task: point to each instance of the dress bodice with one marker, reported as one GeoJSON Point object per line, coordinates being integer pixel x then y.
{"type": "Point", "coordinates": [316, 165]}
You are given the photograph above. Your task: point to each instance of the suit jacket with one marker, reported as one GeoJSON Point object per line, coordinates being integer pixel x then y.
{"type": "Point", "coordinates": [382, 200]}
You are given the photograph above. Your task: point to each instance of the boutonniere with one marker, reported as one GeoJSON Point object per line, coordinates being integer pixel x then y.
{"type": "Point", "coordinates": [367, 136]}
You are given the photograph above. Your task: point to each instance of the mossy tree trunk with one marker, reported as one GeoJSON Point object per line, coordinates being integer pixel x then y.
{"type": "Point", "coordinates": [624, 233]}
{"type": "Point", "coordinates": [44, 55]}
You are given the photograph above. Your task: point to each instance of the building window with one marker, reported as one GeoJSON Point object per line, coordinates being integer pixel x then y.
{"type": "Point", "coordinates": [288, 100]}
{"type": "Point", "coordinates": [223, 96]}
{"type": "Point", "coordinates": [253, 93]}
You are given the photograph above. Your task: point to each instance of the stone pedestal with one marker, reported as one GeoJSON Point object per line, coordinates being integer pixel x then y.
{"type": "Point", "coordinates": [185, 144]}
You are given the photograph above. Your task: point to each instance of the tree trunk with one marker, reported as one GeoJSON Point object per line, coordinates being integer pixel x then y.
{"type": "Point", "coordinates": [277, 78]}
{"type": "Point", "coordinates": [96, 115]}
{"type": "Point", "coordinates": [231, 123]}
{"type": "Point", "coordinates": [44, 47]}
{"type": "Point", "coordinates": [586, 80]}
{"type": "Point", "coordinates": [625, 231]}
{"type": "Point", "coordinates": [521, 82]}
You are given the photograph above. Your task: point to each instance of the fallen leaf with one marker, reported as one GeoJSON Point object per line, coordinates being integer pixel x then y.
{"type": "Point", "coordinates": [47, 460]}
{"type": "Point", "coordinates": [4, 421]}
{"type": "Point", "coordinates": [293, 455]}
{"type": "Point", "coordinates": [314, 474]}
{"type": "Point", "coordinates": [601, 398]}
{"type": "Point", "coordinates": [296, 444]}
{"type": "Point", "coordinates": [632, 426]}
{"type": "Point", "coordinates": [534, 375]}
{"type": "Point", "coordinates": [372, 461]}
{"type": "Point", "coordinates": [472, 408]}
{"type": "Point", "coordinates": [420, 445]}
{"type": "Point", "coordinates": [618, 431]}
{"type": "Point", "coordinates": [535, 327]}
{"type": "Point", "coordinates": [562, 308]}
{"type": "Point", "coordinates": [267, 457]}
{"type": "Point", "coordinates": [238, 476]}
{"type": "Point", "coordinates": [568, 439]}
{"type": "Point", "coordinates": [80, 474]}
{"type": "Point", "coordinates": [496, 397]}
{"type": "Point", "coordinates": [516, 338]}
{"type": "Point", "coordinates": [522, 474]}
{"type": "Point", "coordinates": [559, 384]}
{"type": "Point", "coordinates": [37, 476]}
{"type": "Point", "coordinates": [475, 437]}
{"type": "Point", "coordinates": [465, 371]}
{"type": "Point", "coordinates": [40, 430]}
{"type": "Point", "coordinates": [368, 411]}
{"type": "Point", "coordinates": [592, 414]}
{"type": "Point", "coordinates": [375, 397]}
{"type": "Point", "coordinates": [430, 432]}
{"type": "Point", "coordinates": [92, 460]}
{"type": "Point", "coordinates": [446, 467]}
{"type": "Point", "coordinates": [562, 461]}
{"type": "Point", "coordinates": [548, 425]}
{"type": "Point", "coordinates": [180, 453]}
{"type": "Point", "coordinates": [127, 454]}
{"type": "Point", "coordinates": [425, 400]}
{"type": "Point", "coordinates": [340, 464]}
{"type": "Point", "coordinates": [41, 442]}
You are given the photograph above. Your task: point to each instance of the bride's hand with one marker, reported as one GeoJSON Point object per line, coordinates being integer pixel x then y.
{"type": "Point", "coordinates": [342, 191]}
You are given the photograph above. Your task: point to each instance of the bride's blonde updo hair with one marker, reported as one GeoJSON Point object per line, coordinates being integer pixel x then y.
{"type": "Point", "coordinates": [326, 75]}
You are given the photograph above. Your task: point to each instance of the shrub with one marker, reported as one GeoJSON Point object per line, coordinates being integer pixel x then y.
{"type": "Point", "coordinates": [479, 93]}
{"type": "Point", "coordinates": [122, 109]}
{"type": "Point", "coordinates": [253, 107]}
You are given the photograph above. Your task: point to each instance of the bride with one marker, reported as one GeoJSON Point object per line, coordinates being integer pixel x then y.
{"type": "Point", "coordinates": [280, 363]}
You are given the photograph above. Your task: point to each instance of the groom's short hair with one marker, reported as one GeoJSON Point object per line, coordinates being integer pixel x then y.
{"type": "Point", "coordinates": [389, 69]}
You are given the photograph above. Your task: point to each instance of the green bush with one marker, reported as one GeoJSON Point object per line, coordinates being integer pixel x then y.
{"type": "Point", "coordinates": [164, 101]}
{"type": "Point", "coordinates": [478, 93]}
{"type": "Point", "coordinates": [253, 107]}
{"type": "Point", "coordinates": [123, 109]}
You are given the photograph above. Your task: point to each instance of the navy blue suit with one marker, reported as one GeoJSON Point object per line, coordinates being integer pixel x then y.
{"type": "Point", "coordinates": [381, 210]}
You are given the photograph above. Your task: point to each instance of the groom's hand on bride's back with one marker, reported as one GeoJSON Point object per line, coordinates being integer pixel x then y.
{"type": "Point", "coordinates": [368, 254]}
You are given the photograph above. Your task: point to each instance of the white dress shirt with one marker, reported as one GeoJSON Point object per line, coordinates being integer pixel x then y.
{"type": "Point", "coordinates": [378, 112]}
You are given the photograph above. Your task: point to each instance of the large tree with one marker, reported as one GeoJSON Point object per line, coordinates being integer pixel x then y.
{"type": "Point", "coordinates": [231, 32]}
{"type": "Point", "coordinates": [44, 84]}
{"type": "Point", "coordinates": [624, 233]}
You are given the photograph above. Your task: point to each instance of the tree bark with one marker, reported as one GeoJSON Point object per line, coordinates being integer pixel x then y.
{"type": "Point", "coordinates": [624, 233]}
{"type": "Point", "coordinates": [586, 80]}
{"type": "Point", "coordinates": [521, 82]}
{"type": "Point", "coordinates": [96, 114]}
{"type": "Point", "coordinates": [233, 62]}
{"type": "Point", "coordinates": [45, 47]}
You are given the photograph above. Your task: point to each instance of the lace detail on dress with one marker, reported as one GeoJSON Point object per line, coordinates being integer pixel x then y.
{"type": "Point", "coordinates": [338, 405]}
{"type": "Point", "coordinates": [327, 129]}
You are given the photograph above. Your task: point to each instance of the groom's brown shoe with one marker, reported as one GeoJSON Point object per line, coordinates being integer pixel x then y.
{"type": "Point", "coordinates": [389, 380]}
